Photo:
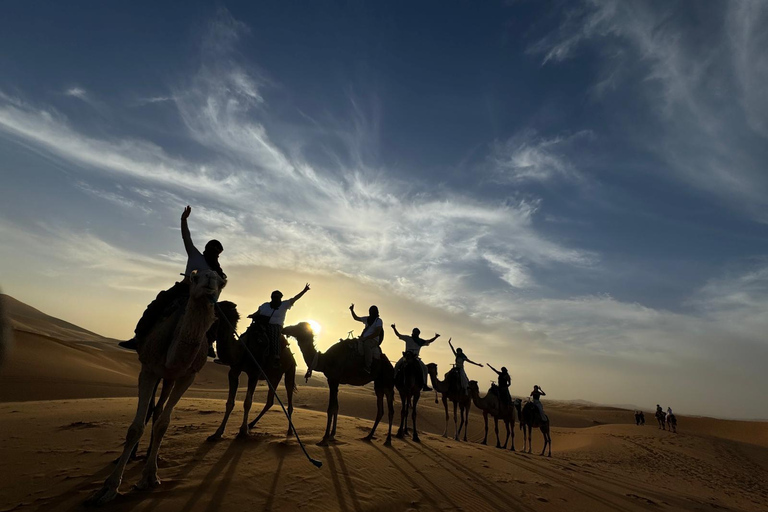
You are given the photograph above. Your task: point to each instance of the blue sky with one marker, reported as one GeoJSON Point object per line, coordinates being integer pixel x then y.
{"type": "Point", "coordinates": [581, 183]}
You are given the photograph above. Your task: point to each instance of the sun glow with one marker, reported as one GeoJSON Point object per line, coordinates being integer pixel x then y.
{"type": "Point", "coordinates": [316, 328]}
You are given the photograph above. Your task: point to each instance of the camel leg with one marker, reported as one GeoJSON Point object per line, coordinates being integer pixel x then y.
{"type": "Point", "coordinates": [455, 422]}
{"type": "Point", "coordinates": [333, 408]}
{"type": "Point", "coordinates": [234, 381]}
{"type": "Point", "coordinates": [415, 432]}
{"type": "Point", "coordinates": [157, 410]}
{"type": "Point", "coordinates": [391, 413]}
{"type": "Point", "coordinates": [379, 413]}
{"type": "Point", "coordinates": [252, 381]}
{"type": "Point", "coordinates": [108, 492]}
{"type": "Point", "coordinates": [267, 406]}
{"type": "Point", "coordinates": [496, 429]}
{"type": "Point", "coordinates": [290, 386]}
{"type": "Point", "coordinates": [149, 476]}
{"type": "Point", "coordinates": [403, 415]}
{"type": "Point", "coordinates": [445, 406]}
{"type": "Point", "coordinates": [510, 433]}
{"type": "Point", "coordinates": [485, 420]}
{"type": "Point", "coordinates": [407, 410]}
{"type": "Point", "coordinates": [466, 421]}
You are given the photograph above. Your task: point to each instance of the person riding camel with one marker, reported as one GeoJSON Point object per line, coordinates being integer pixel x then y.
{"type": "Point", "coordinates": [504, 382]}
{"type": "Point", "coordinates": [669, 414]}
{"type": "Point", "coordinates": [207, 260]}
{"type": "Point", "coordinates": [460, 359]}
{"type": "Point", "coordinates": [372, 336]}
{"type": "Point", "coordinates": [270, 318]}
{"type": "Point", "coordinates": [659, 410]}
{"type": "Point", "coordinates": [413, 344]}
{"type": "Point", "coordinates": [536, 394]}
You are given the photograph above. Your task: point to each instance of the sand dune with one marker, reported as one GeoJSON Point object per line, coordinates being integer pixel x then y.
{"type": "Point", "coordinates": [67, 404]}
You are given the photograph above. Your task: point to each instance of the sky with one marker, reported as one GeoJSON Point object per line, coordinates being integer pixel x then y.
{"type": "Point", "coordinates": [575, 190]}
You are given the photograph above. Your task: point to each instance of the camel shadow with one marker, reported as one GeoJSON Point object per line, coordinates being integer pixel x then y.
{"type": "Point", "coordinates": [273, 488]}
{"type": "Point", "coordinates": [481, 487]}
{"type": "Point", "coordinates": [330, 451]}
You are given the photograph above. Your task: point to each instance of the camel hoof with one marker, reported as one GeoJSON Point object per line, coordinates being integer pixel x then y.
{"type": "Point", "coordinates": [416, 439]}
{"type": "Point", "coordinates": [289, 433]}
{"type": "Point", "coordinates": [213, 438]}
{"type": "Point", "coordinates": [399, 435]}
{"type": "Point", "coordinates": [388, 442]}
{"type": "Point", "coordinates": [242, 435]}
{"type": "Point", "coordinates": [101, 497]}
{"type": "Point", "coordinates": [484, 443]}
{"type": "Point", "coordinates": [323, 442]}
{"type": "Point", "coordinates": [147, 482]}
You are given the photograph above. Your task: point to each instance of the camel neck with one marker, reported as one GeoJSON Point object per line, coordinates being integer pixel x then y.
{"type": "Point", "coordinates": [312, 357]}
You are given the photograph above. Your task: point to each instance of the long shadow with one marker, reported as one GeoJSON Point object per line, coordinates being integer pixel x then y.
{"type": "Point", "coordinates": [235, 447]}
{"type": "Point", "coordinates": [224, 483]}
{"type": "Point", "coordinates": [335, 479]}
{"type": "Point", "coordinates": [451, 463]}
{"type": "Point", "coordinates": [347, 479]}
{"type": "Point", "coordinates": [273, 488]}
{"type": "Point", "coordinates": [413, 481]}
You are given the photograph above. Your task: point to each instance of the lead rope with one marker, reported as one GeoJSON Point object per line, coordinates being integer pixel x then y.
{"type": "Point", "coordinates": [315, 462]}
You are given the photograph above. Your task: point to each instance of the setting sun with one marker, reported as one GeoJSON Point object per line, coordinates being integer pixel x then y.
{"type": "Point", "coordinates": [316, 328]}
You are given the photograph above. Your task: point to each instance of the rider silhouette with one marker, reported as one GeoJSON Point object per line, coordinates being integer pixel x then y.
{"type": "Point", "coordinates": [413, 344]}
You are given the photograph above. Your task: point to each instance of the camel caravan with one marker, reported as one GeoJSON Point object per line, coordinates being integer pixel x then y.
{"type": "Point", "coordinates": [176, 334]}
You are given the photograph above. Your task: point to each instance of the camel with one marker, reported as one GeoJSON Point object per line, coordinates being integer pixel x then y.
{"type": "Point", "coordinates": [530, 418]}
{"type": "Point", "coordinates": [232, 353]}
{"type": "Point", "coordinates": [490, 404]}
{"type": "Point", "coordinates": [450, 389]}
{"type": "Point", "coordinates": [175, 350]}
{"type": "Point", "coordinates": [672, 423]}
{"type": "Point", "coordinates": [662, 419]}
{"type": "Point", "coordinates": [409, 382]}
{"type": "Point", "coordinates": [341, 364]}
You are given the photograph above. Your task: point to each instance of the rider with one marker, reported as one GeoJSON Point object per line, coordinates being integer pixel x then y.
{"type": "Point", "coordinates": [207, 260]}
{"type": "Point", "coordinates": [460, 359]}
{"type": "Point", "coordinates": [413, 344]}
{"type": "Point", "coordinates": [536, 394]}
{"type": "Point", "coordinates": [669, 413]}
{"type": "Point", "coordinates": [504, 382]}
{"type": "Point", "coordinates": [372, 336]}
{"type": "Point", "coordinates": [270, 317]}
{"type": "Point", "coordinates": [659, 410]}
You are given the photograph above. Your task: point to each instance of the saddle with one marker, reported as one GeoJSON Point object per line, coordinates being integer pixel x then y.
{"type": "Point", "coordinates": [494, 390]}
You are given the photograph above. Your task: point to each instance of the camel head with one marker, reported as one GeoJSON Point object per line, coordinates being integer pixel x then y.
{"type": "Point", "coordinates": [432, 368]}
{"type": "Point", "coordinates": [206, 283]}
{"type": "Point", "coordinates": [474, 389]}
{"type": "Point", "coordinates": [303, 333]}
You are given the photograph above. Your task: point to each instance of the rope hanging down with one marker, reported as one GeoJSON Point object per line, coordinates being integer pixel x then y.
{"type": "Point", "coordinates": [316, 462]}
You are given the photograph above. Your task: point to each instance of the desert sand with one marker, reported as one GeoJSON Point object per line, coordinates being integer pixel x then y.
{"type": "Point", "coordinates": [67, 397]}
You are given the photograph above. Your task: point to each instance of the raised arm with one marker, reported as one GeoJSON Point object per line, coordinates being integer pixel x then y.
{"type": "Point", "coordinates": [542, 392]}
{"type": "Point", "coordinates": [494, 369]}
{"type": "Point", "coordinates": [185, 234]}
{"type": "Point", "coordinates": [474, 363]}
{"type": "Point", "coordinates": [427, 342]}
{"type": "Point", "coordinates": [352, 310]}
{"type": "Point", "coordinates": [451, 345]}
{"type": "Point", "coordinates": [396, 332]}
{"type": "Point", "coordinates": [300, 294]}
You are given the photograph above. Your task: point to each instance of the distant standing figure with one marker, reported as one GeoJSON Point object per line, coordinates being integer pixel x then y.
{"type": "Point", "coordinates": [642, 419]}
{"type": "Point", "coordinates": [372, 336]}
{"type": "Point", "coordinates": [270, 317]}
{"type": "Point", "coordinates": [536, 394]}
{"type": "Point", "coordinates": [413, 344]}
{"type": "Point", "coordinates": [460, 359]}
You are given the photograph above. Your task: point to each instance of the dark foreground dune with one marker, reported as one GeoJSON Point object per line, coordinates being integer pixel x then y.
{"type": "Point", "coordinates": [66, 404]}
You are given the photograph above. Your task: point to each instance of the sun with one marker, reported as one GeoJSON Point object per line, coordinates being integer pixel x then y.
{"type": "Point", "coordinates": [316, 327]}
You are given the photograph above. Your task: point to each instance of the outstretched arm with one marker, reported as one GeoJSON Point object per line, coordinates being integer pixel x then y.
{"type": "Point", "coordinates": [427, 342]}
{"type": "Point", "coordinates": [451, 345]}
{"type": "Point", "coordinates": [352, 310]}
{"type": "Point", "coordinates": [474, 363]}
{"type": "Point", "coordinates": [494, 369]}
{"type": "Point", "coordinates": [300, 294]}
{"type": "Point", "coordinates": [185, 234]}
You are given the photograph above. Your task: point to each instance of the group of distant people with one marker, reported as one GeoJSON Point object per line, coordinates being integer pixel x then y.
{"type": "Point", "coordinates": [269, 320]}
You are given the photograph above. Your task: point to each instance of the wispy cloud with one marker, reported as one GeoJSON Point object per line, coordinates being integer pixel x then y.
{"type": "Point", "coordinates": [530, 157]}
{"type": "Point", "coordinates": [77, 92]}
{"type": "Point", "coordinates": [688, 83]}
